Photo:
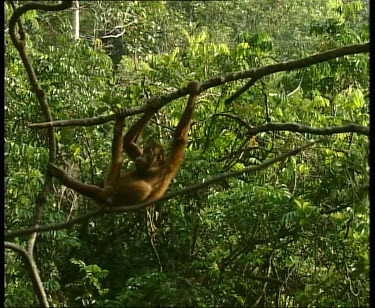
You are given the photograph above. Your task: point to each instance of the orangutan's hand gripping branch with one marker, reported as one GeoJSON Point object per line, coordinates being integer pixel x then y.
{"type": "Point", "coordinates": [153, 171]}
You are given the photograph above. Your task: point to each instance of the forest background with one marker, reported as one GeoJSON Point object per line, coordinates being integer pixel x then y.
{"type": "Point", "coordinates": [273, 220]}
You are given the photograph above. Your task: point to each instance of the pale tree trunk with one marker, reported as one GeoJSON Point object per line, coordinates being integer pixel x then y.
{"type": "Point", "coordinates": [76, 19]}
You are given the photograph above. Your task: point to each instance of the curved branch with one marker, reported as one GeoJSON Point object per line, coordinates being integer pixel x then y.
{"type": "Point", "coordinates": [19, 41]}
{"type": "Point", "coordinates": [187, 189]}
{"type": "Point", "coordinates": [33, 270]}
{"type": "Point", "coordinates": [300, 128]}
{"type": "Point", "coordinates": [254, 74]}
{"type": "Point", "coordinates": [66, 4]}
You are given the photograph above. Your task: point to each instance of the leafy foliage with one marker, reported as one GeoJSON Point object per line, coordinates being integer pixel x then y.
{"type": "Point", "coordinates": [294, 234]}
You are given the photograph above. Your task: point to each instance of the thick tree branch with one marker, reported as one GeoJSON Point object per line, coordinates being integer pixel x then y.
{"type": "Point", "coordinates": [288, 65]}
{"type": "Point", "coordinates": [154, 103]}
{"type": "Point", "coordinates": [254, 73]}
{"type": "Point", "coordinates": [300, 128]}
{"type": "Point", "coordinates": [188, 189]}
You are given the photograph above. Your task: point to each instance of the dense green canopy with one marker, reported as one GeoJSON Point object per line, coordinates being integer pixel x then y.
{"type": "Point", "coordinates": [257, 215]}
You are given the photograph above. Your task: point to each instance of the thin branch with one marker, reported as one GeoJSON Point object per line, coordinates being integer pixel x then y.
{"type": "Point", "coordinates": [263, 89]}
{"type": "Point", "coordinates": [300, 128]}
{"type": "Point", "coordinates": [242, 90]}
{"type": "Point", "coordinates": [334, 210]}
{"type": "Point", "coordinates": [187, 189]}
{"type": "Point", "coordinates": [298, 87]}
{"type": "Point", "coordinates": [228, 115]}
{"type": "Point", "coordinates": [266, 279]}
{"type": "Point", "coordinates": [33, 271]}
{"type": "Point", "coordinates": [58, 226]}
{"type": "Point", "coordinates": [82, 122]}
{"type": "Point", "coordinates": [114, 36]}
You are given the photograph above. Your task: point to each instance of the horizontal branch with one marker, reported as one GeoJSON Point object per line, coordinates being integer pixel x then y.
{"type": "Point", "coordinates": [153, 103]}
{"type": "Point", "coordinates": [267, 279]}
{"type": "Point", "coordinates": [254, 73]}
{"type": "Point", "coordinates": [77, 122]}
{"type": "Point", "coordinates": [57, 226]}
{"type": "Point", "coordinates": [187, 189]}
{"type": "Point", "coordinates": [216, 179]}
{"type": "Point", "coordinates": [300, 128]}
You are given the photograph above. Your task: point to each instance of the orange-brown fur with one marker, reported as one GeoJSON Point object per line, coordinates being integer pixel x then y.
{"type": "Point", "coordinates": [153, 173]}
